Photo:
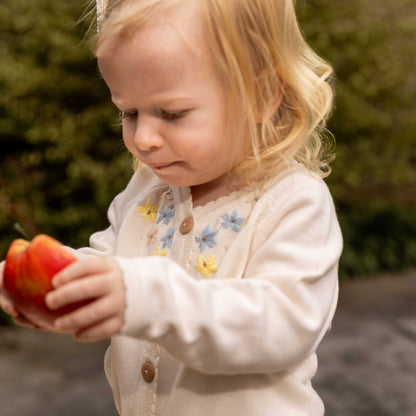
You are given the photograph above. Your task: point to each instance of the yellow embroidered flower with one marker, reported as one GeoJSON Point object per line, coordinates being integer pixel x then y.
{"type": "Point", "coordinates": [148, 211]}
{"type": "Point", "coordinates": [159, 252]}
{"type": "Point", "coordinates": [206, 266]}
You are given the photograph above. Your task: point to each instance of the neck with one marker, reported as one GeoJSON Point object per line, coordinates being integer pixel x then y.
{"type": "Point", "coordinates": [211, 191]}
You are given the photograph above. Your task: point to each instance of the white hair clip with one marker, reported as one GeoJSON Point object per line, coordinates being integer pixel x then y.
{"type": "Point", "coordinates": [100, 13]}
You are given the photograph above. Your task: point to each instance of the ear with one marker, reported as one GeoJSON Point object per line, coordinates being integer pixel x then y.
{"type": "Point", "coordinates": [269, 96]}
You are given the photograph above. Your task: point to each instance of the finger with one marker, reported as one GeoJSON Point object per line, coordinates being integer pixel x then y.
{"type": "Point", "coordinates": [76, 291]}
{"type": "Point", "coordinates": [85, 316]}
{"type": "Point", "coordinates": [2, 266]}
{"type": "Point", "coordinates": [7, 305]}
{"type": "Point", "coordinates": [80, 269]}
{"type": "Point", "coordinates": [102, 330]}
{"type": "Point", "coordinates": [21, 320]}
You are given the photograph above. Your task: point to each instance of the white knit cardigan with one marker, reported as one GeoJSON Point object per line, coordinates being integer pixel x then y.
{"type": "Point", "coordinates": [229, 317]}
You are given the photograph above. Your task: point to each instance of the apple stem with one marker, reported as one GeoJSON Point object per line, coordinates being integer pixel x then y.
{"type": "Point", "coordinates": [19, 228]}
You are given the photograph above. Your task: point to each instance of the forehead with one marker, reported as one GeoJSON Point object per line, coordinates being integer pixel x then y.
{"type": "Point", "coordinates": [162, 27]}
{"type": "Point", "coordinates": [168, 57]}
{"type": "Point", "coordinates": [169, 39]}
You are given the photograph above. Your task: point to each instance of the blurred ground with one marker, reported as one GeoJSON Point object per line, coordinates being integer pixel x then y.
{"type": "Point", "coordinates": [43, 374]}
{"type": "Point", "coordinates": [368, 360]}
{"type": "Point", "coordinates": [367, 364]}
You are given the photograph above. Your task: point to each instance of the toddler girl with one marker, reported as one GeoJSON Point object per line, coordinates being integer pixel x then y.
{"type": "Point", "coordinates": [217, 276]}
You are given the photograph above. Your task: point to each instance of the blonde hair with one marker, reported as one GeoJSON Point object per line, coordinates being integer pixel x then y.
{"type": "Point", "coordinates": [273, 77]}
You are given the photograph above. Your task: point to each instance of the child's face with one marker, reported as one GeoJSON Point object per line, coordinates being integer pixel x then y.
{"type": "Point", "coordinates": [172, 100]}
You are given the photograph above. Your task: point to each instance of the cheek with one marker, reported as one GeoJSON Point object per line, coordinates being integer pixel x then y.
{"type": "Point", "coordinates": [127, 142]}
{"type": "Point", "coordinates": [128, 137]}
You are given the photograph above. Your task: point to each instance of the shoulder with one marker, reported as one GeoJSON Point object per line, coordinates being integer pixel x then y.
{"type": "Point", "coordinates": [296, 185]}
{"type": "Point", "coordinates": [296, 199]}
{"type": "Point", "coordinates": [296, 210]}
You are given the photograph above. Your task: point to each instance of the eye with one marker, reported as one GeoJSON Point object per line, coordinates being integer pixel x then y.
{"type": "Point", "coordinates": [172, 115]}
{"type": "Point", "coordinates": [129, 114]}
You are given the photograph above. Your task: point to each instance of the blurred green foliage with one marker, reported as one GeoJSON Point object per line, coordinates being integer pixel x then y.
{"type": "Point", "coordinates": [371, 45]}
{"type": "Point", "coordinates": [62, 159]}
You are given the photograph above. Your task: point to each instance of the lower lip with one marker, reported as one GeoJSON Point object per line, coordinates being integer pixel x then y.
{"type": "Point", "coordinates": [161, 167]}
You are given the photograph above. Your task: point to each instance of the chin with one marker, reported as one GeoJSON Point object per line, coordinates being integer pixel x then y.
{"type": "Point", "coordinates": [172, 176]}
{"type": "Point", "coordinates": [173, 180]}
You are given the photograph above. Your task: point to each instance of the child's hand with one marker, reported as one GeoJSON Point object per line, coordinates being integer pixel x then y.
{"type": "Point", "coordinates": [7, 305]}
{"type": "Point", "coordinates": [93, 278]}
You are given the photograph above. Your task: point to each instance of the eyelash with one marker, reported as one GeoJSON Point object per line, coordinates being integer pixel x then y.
{"type": "Point", "coordinates": [172, 115]}
{"type": "Point", "coordinates": [132, 114]}
{"type": "Point", "coordinates": [167, 115]}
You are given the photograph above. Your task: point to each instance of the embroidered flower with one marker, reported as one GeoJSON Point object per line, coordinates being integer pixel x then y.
{"type": "Point", "coordinates": [207, 238]}
{"type": "Point", "coordinates": [148, 211]}
{"type": "Point", "coordinates": [206, 266]}
{"type": "Point", "coordinates": [232, 221]}
{"type": "Point", "coordinates": [159, 252]}
{"type": "Point", "coordinates": [166, 215]}
{"type": "Point", "coordinates": [152, 236]}
{"type": "Point", "coordinates": [167, 239]}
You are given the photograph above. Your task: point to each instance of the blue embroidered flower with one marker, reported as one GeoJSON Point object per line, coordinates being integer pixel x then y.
{"type": "Point", "coordinates": [167, 239]}
{"type": "Point", "coordinates": [166, 215]}
{"type": "Point", "coordinates": [207, 238]}
{"type": "Point", "coordinates": [233, 221]}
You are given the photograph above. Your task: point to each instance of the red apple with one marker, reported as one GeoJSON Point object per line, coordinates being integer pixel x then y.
{"type": "Point", "coordinates": [29, 269]}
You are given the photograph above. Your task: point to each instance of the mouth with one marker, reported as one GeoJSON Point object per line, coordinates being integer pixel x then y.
{"type": "Point", "coordinates": [160, 166]}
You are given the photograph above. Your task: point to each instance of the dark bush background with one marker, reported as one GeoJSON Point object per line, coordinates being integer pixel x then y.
{"type": "Point", "coordinates": [371, 46]}
{"type": "Point", "coordinates": [62, 159]}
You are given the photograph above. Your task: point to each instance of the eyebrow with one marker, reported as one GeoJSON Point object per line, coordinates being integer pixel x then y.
{"type": "Point", "coordinates": [160, 99]}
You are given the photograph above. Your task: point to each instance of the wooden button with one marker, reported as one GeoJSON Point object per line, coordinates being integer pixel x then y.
{"type": "Point", "coordinates": [186, 225]}
{"type": "Point", "coordinates": [148, 371]}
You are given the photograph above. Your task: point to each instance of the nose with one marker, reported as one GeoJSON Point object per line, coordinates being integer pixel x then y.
{"type": "Point", "coordinates": [146, 135]}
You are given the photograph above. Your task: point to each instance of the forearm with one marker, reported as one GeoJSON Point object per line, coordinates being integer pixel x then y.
{"type": "Point", "coordinates": [227, 326]}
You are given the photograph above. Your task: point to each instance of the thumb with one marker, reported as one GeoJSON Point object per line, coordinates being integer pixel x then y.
{"type": "Point", "coordinates": [2, 266]}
